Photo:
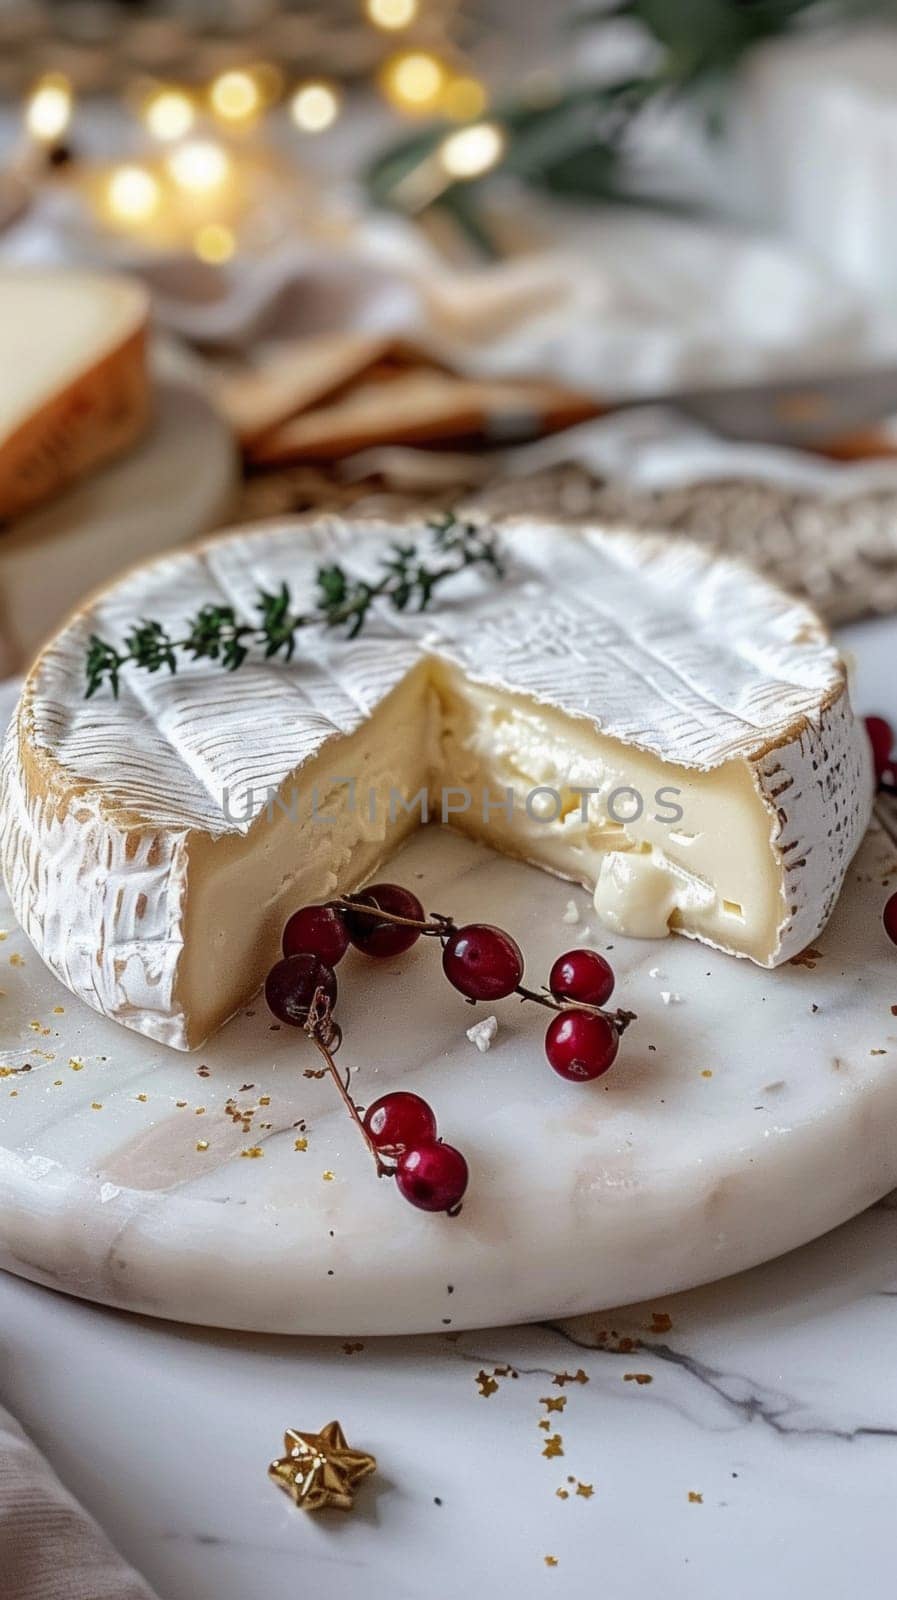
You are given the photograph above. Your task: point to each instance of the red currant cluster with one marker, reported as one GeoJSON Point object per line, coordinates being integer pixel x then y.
{"type": "Point", "coordinates": [483, 963]}
{"type": "Point", "coordinates": [881, 738]}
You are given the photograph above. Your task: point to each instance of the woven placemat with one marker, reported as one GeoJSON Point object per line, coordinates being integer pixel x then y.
{"type": "Point", "coordinates": [841, 555]}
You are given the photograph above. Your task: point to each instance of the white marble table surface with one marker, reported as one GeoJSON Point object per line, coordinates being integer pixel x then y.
{"type": "Point", "coordinates": [760, 1458]}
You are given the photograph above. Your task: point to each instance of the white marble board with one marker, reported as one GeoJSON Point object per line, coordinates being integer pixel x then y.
{"type": "Point", "coordinates": [748, 1112]}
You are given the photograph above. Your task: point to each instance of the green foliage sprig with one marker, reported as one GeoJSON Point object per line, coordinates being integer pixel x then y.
{"type": "Point", "coordinates": [576, 141]}
{"type": "Point", "coordinates": [407, 581]}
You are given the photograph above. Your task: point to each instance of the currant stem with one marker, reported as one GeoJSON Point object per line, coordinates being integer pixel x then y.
{"type": "Point", "coordinates": [440, 927]}
{"type": "Point", "coordinates": [437, 927]}
{"type": "Point", "coordinates": [620, 1019]}
{"type": "Point", "coordinates": [317, 1024]}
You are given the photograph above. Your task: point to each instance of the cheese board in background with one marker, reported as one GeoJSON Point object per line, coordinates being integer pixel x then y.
{"type": "Point", "coordinates": [176, 483]}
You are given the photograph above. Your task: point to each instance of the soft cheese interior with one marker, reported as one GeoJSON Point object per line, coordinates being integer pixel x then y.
{"type": "Point", "coordinates": [654, 841]}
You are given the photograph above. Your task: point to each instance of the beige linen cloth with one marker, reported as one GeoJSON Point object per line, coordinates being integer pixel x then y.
{"type": "Point", "coordinates": [50, 1549]}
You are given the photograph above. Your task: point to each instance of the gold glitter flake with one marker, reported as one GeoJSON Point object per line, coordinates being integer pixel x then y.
{"type": "Point", "coordinates": [551, 1561]}
{"type": "Point", "coordinates": [253, 1152]}
{"type": "Point", "coordinates": [706, 1073]}
{"type": "Point", "coordinates": [328, 1176]}
{"type": "Point", "coordinates": [16, 960]}
{"type": "Point", "coordinates": [202, 1144]}
{"type": "Point", "coordinates": [96, 1105]}
{"type": "Point", "coordinates": [76, 1064]}
{"type": "Point", "coordinates": [554, 1446]}
{"type": "Point", "coordinates": [264, 1099]}
{"type": "Point", "coordinates": [486, 1384]}
{"type": "Point", "coordinates": [695, 1499]}
{"type": "Point", "coordinates": [300, 1144]}
{"type": "Point", "coordinates": [143, 1098]}
{"type": "Point", "coordinates": [59, 1011]}
{"type": "Point", "coordinates": [319, 1470]}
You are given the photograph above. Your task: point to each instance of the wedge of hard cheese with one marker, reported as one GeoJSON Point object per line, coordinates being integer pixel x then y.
{"type": "Point", "coordinates": [74, 388]}
{"type": "Point", "coordinates": [622, 710]}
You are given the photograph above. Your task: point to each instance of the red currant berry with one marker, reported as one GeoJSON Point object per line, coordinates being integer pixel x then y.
{"type": "Point", "coordinates": [317, 931]}
{"type": "Point", "coordinates": [582, 975]}
{"type": "Point", "coordinates": [580, 1045]}
{"type": "Point", "coordinates": [432, 1177]}
{"type": "Point", "coordinates": [375, 938]}
{"type": "Point", "coordinates": [291, 985]}
{"type": "Point", "coordinates": [881, 738]}
{"type": "Point", "coordinates": [889, 918]}
{"type": "Point", "coordinates": [399, 1120]}
{"type": "Point", "coordinates": [485, 963]}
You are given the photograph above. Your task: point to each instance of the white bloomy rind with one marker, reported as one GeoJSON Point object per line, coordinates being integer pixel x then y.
{"type": "Point", "coordinates": [113, 808]}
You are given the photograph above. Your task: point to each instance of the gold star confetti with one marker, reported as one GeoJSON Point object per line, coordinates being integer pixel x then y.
{"type": "Point", "coordinates": [328, 1176]}
{"type": "Point", "coordinates": [554, 1446]}
{"type": "Point", "coordinates": [301, 1144]}
{"type": "Point", "coordinates": [485, 1384]}
{"type": "Point", "coordinates": [319, 1470]}
{"type": "Point", "coordinates": [551, 1561]}
{"type": "Point", "coordinates": [694, 1498]}
{"type": "Point", "coordinates": [544, 1423]}
{"type": "Point", "coordinates": [553, 1402]}
{"type": "Point", "coordinates": [585, 1489]}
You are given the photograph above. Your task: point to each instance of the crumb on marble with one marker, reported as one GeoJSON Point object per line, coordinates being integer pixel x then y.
{"type": "Point", "coordinates": [483, 1032]}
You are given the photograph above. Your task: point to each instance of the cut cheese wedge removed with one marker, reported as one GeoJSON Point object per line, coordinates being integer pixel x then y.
{"type": "Point", "coordinates": [74, 389]}
{"type": "Point", "coordinates": [625, 711]}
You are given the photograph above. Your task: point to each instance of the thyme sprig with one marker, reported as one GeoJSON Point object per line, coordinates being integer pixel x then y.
{"type": "Point", "coordinates": [408, 580]}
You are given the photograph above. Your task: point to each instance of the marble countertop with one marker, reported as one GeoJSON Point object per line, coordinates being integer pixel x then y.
{"type": "Point", "coordinates": [734, 1440]}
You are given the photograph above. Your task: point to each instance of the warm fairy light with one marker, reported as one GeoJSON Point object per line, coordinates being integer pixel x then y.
{"type": "Point", "coordinates": [214, 242]}
{"type": "Point", "coordinates": [391, 13]}
{"type": "Point", "coordinates": [235, 96]}
{"type": "Point", "coordinates": [169, 114]}
{"type": "Point", "coordinates": [314, 107]}
{"type": "Point", "coordinates": [49, 108]}
{"type": "Point", "coordinates": [413, 81]}
{"type": "Point", "coordinates": [472, 151]}
{"type": "Point", "coordinates": [199, 167]}
{"type": "Point", "coordinates": [133, 194]}
{"type": "Point", "coordinates": [463, 98]}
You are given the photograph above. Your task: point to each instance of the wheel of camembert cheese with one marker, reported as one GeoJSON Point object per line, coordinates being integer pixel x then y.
{"type": "Point", "coordinates": [623, 710]}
